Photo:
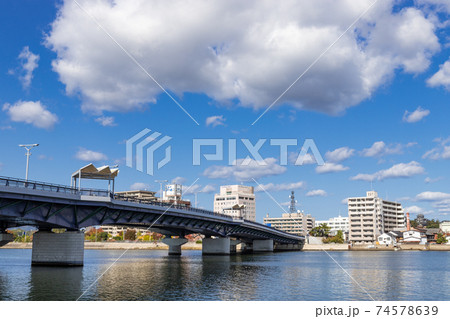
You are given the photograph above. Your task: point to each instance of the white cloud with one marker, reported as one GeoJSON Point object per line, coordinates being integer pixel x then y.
{"type": "Point", "coordinates": [306, 159]}
{"type": "Point", "coordinates": [179, 180]}
{"type": "Point", "coordinates": [316, 192]}
{"type": "Point", "coordinates": [339, 154]}
{"type": "Point", "coordinates": [31, 112]}
{"type": "Point", "coordinates": [441, 77]}
{"type": "Point", "coordinates": [416, 116]}
{"type": "Point", "coordinates": [138, 186]}
{"type": "Point", "coordinates": [106, 121]}
{"type": "Point", "coordinates": [90, 156]}
{"type": "Point", "coordinates": [344, 201]}
{"type": "Point", "coordinates": [196, 188]}
{"type": "Point", "coordinates": [442, 151]}
{"type": "Point", "coordinates": [28, 63]}
{"type": "Point", "coordinates": [429, 180]}
{"type": "Point", "coordinates": [380, 148]}
{"type": "Point", "coordinates": [279, 187]}
{"type": "Point", "coordinates": [330, 168]}
{"type": "Point", "coordinates": [401, 170]}
{"type": "Point", "coordinates": [215, 120]}
{"type": "Point", "coordinates": [240, 172]}
{"type": "Point", "coordinates": [251, 60]}
{"type": "Point", "coordinates": [413, 209]}
{"type": "Point", "coordinates": [432, 196]}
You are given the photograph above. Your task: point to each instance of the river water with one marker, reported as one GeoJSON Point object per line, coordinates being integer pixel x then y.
{"type": "Point", "coordinates": [152, 275]}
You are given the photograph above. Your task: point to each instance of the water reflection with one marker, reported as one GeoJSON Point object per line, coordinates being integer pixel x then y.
{"type": "Point", "coordinates": [152, 275]}
{"type": "Point", "coordinates": [55, 283]}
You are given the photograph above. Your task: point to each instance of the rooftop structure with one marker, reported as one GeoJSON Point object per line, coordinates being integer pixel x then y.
{"type": "Point", "coordinates": [237, 201]}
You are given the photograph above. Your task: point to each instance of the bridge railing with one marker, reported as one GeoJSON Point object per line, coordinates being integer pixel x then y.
{"type": "Point", "coordinates": [172, 205]}
{"type": "Point", "coordinates": [49, 187]}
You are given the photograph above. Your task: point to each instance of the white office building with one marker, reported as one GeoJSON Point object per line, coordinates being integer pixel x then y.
{"type": "Point", "coordinates": [371, 216]}
{"type": "Point", "coordinates": [335, 223]}
{"type": "Point", "coordinates": [237, 201]}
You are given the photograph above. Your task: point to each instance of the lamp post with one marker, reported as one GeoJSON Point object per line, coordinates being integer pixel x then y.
{"type": "Point", "coordinates": [160, 188]}
{"type": "Point", "coordinates": [28, 147]}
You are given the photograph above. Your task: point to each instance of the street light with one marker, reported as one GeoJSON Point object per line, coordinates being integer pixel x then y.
{"type": "Point", "coordinates": [28, 147]}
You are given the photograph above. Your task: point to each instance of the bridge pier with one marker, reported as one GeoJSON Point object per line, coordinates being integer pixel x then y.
{"type": "Point", "coordinates": [174, 245]}
{"type": "Point", "coordinates": [5, 238]}
{"type": "Point", "coordinates": [265, 245]}
{"type": "Point", "coordinates": [233, 245]}
{"type": "Point", "coordinates": [216, 246]}
{"type": "Point", "coordinates": [63, 249]}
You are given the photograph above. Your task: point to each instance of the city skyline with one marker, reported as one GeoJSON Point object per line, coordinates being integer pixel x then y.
{"type": "Point", "coordinates": [375, 104]}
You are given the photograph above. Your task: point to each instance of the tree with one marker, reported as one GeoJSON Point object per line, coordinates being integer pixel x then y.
{"type": "Point", "coordinates": [441, 239]}
{"type": "Point", "coordinates": [338, 239]}
{"type": "Point", "coordinates": [431, 223]}
{"type": "Point", "coordinates": [130, 234]}
{"type": "Point", "coordinates": [320, 231]}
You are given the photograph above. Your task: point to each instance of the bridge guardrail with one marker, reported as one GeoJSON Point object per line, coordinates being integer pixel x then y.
{"type": "Point", "coordinates": [49, 187]}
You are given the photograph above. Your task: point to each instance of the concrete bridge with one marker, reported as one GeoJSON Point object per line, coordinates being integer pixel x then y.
{"type": "Point", "coordinates": [48, 206]}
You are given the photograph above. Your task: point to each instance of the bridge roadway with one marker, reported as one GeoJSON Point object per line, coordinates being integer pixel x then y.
{"type": "Point", "coordinates": [48, 206]}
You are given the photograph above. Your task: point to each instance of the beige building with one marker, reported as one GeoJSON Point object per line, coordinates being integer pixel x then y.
{"type": "Point", "coordinates": [237, 201]}
{"type": "Point", "coordinates": [293, 223]}
{"type": "Point", "coordinates": [142, 196]}
{"type": "Point", "coordinates": [371, 216]}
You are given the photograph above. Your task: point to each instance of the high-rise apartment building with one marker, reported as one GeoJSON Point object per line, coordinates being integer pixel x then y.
{"type": "Point", "coordinates": [237, 201]}
{"type": "Point", "coordinates": [372, 216]}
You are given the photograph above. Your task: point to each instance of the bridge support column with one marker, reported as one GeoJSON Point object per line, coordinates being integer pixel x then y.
{"type": "Point", "coordinates": [233, 245]}
{"type": "Point", "coordinates": [64, 249]}
{"type": "Point", "coordinates": [174, 245]}
{"type": "Point", "coordinates": [263, 245]}
{"type": "Point", "coordinates": [5, 238]}
{"type": "Point", "coordinates": [216, 246]}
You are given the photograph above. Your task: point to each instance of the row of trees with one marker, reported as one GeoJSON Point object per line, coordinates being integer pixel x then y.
{"type": "Point", "coordinates": [130, 234]}
{"type": "Point", "coordinates": [323, 230]}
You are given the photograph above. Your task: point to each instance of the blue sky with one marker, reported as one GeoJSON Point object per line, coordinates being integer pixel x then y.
{"type": "Point", "coordinates": [378, 98]}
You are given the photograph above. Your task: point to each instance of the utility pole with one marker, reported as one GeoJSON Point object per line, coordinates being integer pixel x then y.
{"type": "Point", "coordinates": [160, 188]}
{"type": "Point", "coordinates": [28, 147]}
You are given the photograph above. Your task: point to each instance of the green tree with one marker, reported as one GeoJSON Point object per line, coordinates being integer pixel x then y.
{"type": "Point", "coordinates": [431, 223]}
{"type": "Point", "coordinates": [338, 239]}
{"type": "Point", "coordinates": [320, 231]}
{"type": "Point", "coordinates": [441, 239]}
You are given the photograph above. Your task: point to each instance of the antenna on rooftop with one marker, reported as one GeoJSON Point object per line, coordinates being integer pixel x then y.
{"type": "Point", "coordinates": [292, 208]}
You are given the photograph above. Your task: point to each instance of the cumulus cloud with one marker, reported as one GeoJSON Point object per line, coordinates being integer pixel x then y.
{"type": "Point", "coordinates": [429, 180]}
{"type": "Point", "coordinates": [106, 121]}
{"type": "Point", "coordinates": [379, 149]}
{"type": "Point", "coordinates": [415, 116]}
{"type": "Point", "coordinates": [138, 186]}
{"type": "Point", "coordinates": [196, 188]}
{"type": "Point", "coordinates": [316, 192]}
{"type": "Point", "coordinates": [306, 159]}
{"type": "Point", "coordinates": [432, 196]}
{"type": "Point", "coordinates": [242, 172]}
{"type": "Point", "coordinates": [402, 170]}
{"type": "Point", "coordinates": [90, 156]}
{"type": "Point", "coordinates": [215, 120]}
{"type": "Point", "coordinates": [28, 63]}
{"type": "Point", "coordinates": [251, 58]}
{"type": "Point", "coordinates": [339, 154]}
{"type": "Point", "coordinates": [413, 209]}
{"type": "Point", "coordinates": [441, 77]}
{"type": "Point", "coordinates": [442, 151]}
{"type": "Point", "coordinates": [331, 168]}
{"type": "Point", "coordinates": [179, 180]}
{"type": "Point", "coordinates": [30, 112]}
{"type": "Point", "coordinates": [279, 187]}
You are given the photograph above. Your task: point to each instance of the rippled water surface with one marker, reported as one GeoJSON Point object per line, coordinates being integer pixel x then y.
{"type": "Point", "coordinates": [152, 275]}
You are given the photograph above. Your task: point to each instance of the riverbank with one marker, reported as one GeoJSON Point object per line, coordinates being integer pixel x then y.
{"type": "Point", "coordinates": [195, 246]}
{"type": "Point", "coordinates": [115, 246]}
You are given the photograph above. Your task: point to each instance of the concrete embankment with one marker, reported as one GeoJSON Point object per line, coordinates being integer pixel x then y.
{"type": "Point", "coordinates": [115, 246]}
